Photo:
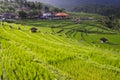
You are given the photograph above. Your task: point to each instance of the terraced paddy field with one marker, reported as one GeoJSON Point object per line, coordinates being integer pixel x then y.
{"type": "Point", "coordinates": [59, 50]}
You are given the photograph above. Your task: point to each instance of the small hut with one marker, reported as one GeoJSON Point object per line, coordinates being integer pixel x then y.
{"type": "Point", "coordinates": [103, 40]}
{"type": "Point", "coordinates": [33, 29]}
{"type": "Point", "coordinates": [8, 15]}
{"type": "Point", "coordinates": [19, 28]}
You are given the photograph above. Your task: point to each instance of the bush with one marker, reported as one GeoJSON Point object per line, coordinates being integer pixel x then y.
{"type": "Point", "coordinates": [33, 29]}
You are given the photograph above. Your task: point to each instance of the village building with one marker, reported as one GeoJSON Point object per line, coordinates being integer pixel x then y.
{"type": "Point", "coordinates": [46, 16]}
{"type": "Point", "coordinates": [54, 16]}
{"type": "Point", "coordinates": [8, 15]}
{"type": "Point", "coordinates": [62, 14]}
{"type": "Point", "coordinates": [31, 15]}
{"type": "Point", "coordinates": [0, 16]}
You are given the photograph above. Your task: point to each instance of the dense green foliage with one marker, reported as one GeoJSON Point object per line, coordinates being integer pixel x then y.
{"type": "Point", "coordinates": [106, 10]}
{"type": "Point", "coordinates": [22, 14]}
{"type": "Point", "coordinates": [15, 5]}
{"type": "Point", "coordinates": [112, 22]}
{"type": "Point", "coordinates": [58, 50]}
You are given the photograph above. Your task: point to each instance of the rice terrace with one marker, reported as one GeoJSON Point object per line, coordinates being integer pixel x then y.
{"type": "Point", "coordinates": [74, 46]}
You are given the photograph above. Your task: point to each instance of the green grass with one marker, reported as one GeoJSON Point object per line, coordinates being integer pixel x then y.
{"type": "Point", "coordinates": [84, 15]}
{"type": "Point", "coordinates": [68, 55]}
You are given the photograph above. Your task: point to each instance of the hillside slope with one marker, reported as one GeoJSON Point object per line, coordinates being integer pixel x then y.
{"type": "Point", "coordinates": [47, 56]}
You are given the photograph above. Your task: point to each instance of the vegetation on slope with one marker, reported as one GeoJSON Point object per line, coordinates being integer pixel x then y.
{"type": "Point", "coordinates": [58, 53]}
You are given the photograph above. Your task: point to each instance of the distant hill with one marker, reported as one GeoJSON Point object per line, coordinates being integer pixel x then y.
{"type": "Point", "coordinates": [104, 7]}
{"type": "Point", "coordinates": [68, 4]}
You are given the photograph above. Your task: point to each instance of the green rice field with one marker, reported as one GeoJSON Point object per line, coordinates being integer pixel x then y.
{"type": "Point", "coordinates": [59, 50]}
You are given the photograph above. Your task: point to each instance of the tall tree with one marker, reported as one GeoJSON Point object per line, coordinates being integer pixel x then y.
{"type": "Point", "coordinates": [22, 14]}
{"type": "Point", "coordinates": [47, 9]}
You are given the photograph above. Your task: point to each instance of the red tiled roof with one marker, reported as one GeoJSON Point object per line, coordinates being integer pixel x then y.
{"type": "Point", "coordinates": [61, 14]}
